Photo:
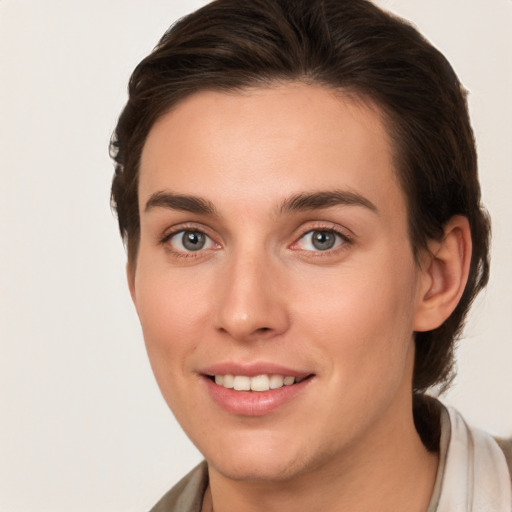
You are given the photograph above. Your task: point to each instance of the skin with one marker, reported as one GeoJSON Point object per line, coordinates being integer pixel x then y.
{"type": "Point", "coordinates": [261, 292]}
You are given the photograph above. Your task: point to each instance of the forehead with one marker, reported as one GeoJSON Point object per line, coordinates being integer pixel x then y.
{"type": "Point", "coordinates": [263, 144]}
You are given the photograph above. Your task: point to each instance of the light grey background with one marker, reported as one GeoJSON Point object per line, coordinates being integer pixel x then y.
{"type": "Point", "coordinates": [82, 423]}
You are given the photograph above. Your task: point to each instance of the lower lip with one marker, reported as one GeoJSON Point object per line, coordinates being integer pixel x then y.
{"type": "Point", "coordinates": [254, 403]}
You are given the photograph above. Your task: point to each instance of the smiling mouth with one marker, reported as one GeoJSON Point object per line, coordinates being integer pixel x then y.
{"type": "Point", "coordinates": [257, 383]}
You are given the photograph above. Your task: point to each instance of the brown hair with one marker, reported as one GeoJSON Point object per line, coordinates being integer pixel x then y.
{"type": "Point", "coordinates": [355, 47]}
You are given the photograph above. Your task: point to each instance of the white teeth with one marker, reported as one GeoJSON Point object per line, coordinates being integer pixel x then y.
{"type": "Point", "coordinates": [276, 381]}
{"type": "Point", "coordinates": [288, 381]}
{"type": "Point", "coordinates": [258, 383]}
{"type": "Point", "coordinates": [228, 381]}
{"type": "Point", "coordinates": [242, 383]}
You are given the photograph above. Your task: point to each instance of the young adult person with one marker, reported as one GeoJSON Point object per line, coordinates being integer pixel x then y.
{"type": "Point", "coordinates": [297, 188]}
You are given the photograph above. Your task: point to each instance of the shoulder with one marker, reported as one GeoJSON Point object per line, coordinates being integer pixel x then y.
{"type": "Point", "coordinates": [187, 494]}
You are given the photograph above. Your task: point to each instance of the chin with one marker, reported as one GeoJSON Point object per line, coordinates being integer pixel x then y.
{"type": "Point", "coordinates": [250, 460]}
{"type": "Point", "coordinates": [256, 470]}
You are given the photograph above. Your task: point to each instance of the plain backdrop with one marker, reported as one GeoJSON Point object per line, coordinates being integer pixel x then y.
{"type": "Point", "coordinates": [82, 424]}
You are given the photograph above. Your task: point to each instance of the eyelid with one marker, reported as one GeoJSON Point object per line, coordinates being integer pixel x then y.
{"type": "Point", "coordinates": [341, 232]}
{"type": "Point", "coordinates": [171, 232]}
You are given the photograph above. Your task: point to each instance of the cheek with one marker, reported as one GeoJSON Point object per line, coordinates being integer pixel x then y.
{"type": "Point", "coordinates": [168, 299]}
{"type": "Point", "coordinates": [172, 315]}
{"type": "Point", "coordinates": [172, 310]}
{"type": "Point", "coordinates": [362, 319]}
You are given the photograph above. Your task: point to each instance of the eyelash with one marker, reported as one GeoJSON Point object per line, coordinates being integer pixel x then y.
{"type": "Point", "coordinates": [340, 244]}
{"type": "Point", "coordinates": [343, 241]}
{"type": "Point", "coordinates": [185, 229]}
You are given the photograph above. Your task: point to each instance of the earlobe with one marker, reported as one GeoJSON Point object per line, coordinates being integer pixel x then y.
{"type": "Point", "coordinates": [444, 274]}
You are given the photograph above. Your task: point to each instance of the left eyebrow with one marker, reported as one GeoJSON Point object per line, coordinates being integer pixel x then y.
{"type": "Point", "coordinates": [325, 199]}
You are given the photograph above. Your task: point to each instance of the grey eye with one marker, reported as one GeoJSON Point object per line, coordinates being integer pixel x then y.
{"type": "Point", "coordinates": [193, 240]}
{"type": "Point", "coordinates": [323, 240]}
{"type": "Point", "coordinates": [320, 240]}
{"type": "Point", "coordinates": [190, 241]}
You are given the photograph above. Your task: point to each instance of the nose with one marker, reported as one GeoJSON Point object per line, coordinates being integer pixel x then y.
{"type": "Point", "coordinates": [251, 299]}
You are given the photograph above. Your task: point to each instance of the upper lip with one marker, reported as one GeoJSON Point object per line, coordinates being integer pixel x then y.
{"type": "Point", "coordinates": [252, 369]}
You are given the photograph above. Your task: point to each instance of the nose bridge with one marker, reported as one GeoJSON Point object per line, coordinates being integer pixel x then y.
{"type": "Point", "coordinates": [250, 305]}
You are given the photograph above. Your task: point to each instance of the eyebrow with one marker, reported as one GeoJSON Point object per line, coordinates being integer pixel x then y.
{"type": "Point", "coordinates": [299, 202]}
{"type": "Point", "coordinates": [325, 199]}
{"type": "Point", "coordinates": [180, 202]}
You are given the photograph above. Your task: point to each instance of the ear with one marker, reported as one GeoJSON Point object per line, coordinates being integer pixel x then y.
{"type": "Point", "coordinates": [444, 273]}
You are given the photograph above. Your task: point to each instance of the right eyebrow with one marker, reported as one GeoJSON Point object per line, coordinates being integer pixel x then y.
{"type": "Point", "coordinates": [180, 202]}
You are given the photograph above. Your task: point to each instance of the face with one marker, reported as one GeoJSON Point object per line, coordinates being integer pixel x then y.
{"type": "Point", "coordinates": [274, 255]}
